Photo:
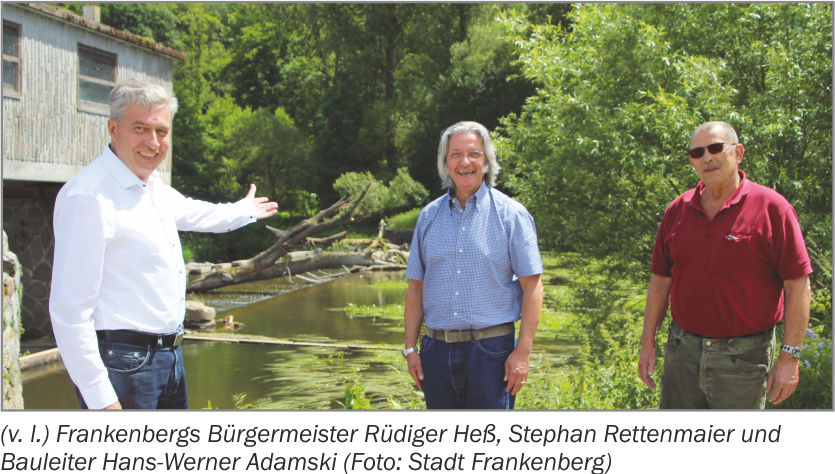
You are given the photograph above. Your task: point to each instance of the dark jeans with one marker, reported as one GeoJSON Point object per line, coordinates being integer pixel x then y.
{"type": "Point", "coordinates": [705, 372]}
{"type": "Point", "coordinates": [144, 377]}
{"type": "Point", "coordinates": [466, 374]}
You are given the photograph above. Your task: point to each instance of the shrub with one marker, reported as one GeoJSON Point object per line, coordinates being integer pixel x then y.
{"type": "Point", "coordinates": [405, 220]}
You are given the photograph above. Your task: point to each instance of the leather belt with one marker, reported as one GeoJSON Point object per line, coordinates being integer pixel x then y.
{"type": "Point", "coordinates": [467, 335]}
{"type": "Point", "coordinates": [135, 338]}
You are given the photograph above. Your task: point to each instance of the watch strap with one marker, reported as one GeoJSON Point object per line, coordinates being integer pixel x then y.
{"type": "Point", "coordinates": [794, 352]}
{"type": "Point", "coordinates": [408, 351]}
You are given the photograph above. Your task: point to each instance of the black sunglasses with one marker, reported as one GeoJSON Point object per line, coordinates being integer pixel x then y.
{"type": "Point", "coordinates": [713, 148]}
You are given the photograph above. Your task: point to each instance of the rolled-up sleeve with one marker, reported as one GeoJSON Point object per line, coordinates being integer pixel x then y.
{"type": "Point", "coordinates": [82, 228]}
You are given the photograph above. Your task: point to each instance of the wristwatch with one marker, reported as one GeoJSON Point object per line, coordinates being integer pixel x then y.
{"type": "Point", "coordinates": [795, 352]}
{"type": "Point", "coordinates": [408, 351]}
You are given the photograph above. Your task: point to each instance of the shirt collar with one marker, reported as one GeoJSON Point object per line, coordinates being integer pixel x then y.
{"type": "Point", "coordinates": [124, 176]}
{"type": "Point", "coordinates": [480, 196]}
{"type": "Point", "coordinates": [739, 193]}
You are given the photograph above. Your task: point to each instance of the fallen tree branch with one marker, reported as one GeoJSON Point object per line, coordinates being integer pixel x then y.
{"type": "Point", "coordinates": [327, 241]}
{"type": "Point", "coordinates": [279, 260]}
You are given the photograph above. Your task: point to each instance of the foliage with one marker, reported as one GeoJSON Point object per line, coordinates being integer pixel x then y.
{"type": "Point", "coordinates": [608, 317]}
{"type": "Point", "coordinates": [599, 151]}
{"type": "Point", "coordinates": [583, 304]}
{"type": "Point", "coordinates": [390, 285]}
{"type": "Point", "coordinates": [265, 148]}
{"type": "Point", "coordinates": [355, 398]}
{"type": "Point", "coordinates": [238, 403]}
{"type": "Point", "coordinates": [402, 191]}
{"type": "Point", "coordinates": [404, 220]}
{"type": "Point", "coordinates": [815, 388]}
{"type": "Point", "coordinates": [150, 20]}
{"type": "Point", "coordinates": [188, 254]}
{"type": "Point", "coordinates": [389, 311]}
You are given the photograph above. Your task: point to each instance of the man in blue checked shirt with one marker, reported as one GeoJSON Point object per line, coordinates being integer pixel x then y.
{"type": "Point", "coordinates": [474, 270]}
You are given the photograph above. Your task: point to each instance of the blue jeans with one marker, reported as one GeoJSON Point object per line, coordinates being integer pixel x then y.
{"type": "Point", "coordinates": [144, 377]}
{"type": "Point", "coordinates": [466, 374]}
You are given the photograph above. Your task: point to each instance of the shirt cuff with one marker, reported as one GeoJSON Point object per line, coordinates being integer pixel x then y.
{"type": "Point", "coordinates": [246, 209]}
{"type": "Point", "coordinates": [98, 396]}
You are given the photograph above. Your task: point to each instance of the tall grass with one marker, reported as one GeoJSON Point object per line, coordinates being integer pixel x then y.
{"type": "Point", "coordinates": [406, 220]}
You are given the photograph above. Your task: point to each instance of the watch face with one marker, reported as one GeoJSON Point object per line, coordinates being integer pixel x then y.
{"type": "Point", "coordinates": [796, 353]}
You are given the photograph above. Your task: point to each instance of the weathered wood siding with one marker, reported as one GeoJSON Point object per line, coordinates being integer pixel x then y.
{"type": "Point", "coordinates": [45, 136]}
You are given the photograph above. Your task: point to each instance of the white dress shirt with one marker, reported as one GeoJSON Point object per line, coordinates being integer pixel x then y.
{"type": "Point", "coordinates": [118, 262]}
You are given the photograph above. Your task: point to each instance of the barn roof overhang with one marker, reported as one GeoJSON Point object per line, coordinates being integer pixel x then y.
{"type": "Point", "coordinates": [101, 28]}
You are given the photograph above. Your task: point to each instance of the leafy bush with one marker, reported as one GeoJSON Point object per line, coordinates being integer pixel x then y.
{"type": "Point", "coordinates": [402, 191]}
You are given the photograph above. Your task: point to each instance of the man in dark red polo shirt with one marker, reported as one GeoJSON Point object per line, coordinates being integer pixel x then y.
{"type": "Point", "coordinates": [731, 261]}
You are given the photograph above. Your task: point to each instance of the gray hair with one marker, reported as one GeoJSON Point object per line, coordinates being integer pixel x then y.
{"type": "Point", "coordinates": [491, 166]}
{"type": "Point", "coordinates": [134, 91]}
{"type": "Point", "coordinates": [724, 126]}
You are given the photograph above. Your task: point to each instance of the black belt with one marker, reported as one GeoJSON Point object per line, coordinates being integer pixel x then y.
{"type": "Point", "coordinates": [125, 336]}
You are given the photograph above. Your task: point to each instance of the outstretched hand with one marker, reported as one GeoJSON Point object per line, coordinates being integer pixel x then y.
{"type": "Point", "coordinates": [263, 209]}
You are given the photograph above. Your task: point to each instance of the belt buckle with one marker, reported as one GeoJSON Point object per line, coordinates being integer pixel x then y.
{"type": "Point", "coordinates": [179, 337]}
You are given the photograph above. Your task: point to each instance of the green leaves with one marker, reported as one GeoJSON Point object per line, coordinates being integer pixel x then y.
{"type": "Point", "coordinates": [600, 150]}
{"type": "Point", "coordinates": [401, 192]}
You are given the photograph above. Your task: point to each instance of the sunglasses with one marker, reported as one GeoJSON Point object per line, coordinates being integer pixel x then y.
{"type": "Point", "coordinates": [713, 148]}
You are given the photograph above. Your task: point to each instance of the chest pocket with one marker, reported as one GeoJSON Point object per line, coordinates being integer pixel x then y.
{"type": "Point", "coordinates": [742, 247]}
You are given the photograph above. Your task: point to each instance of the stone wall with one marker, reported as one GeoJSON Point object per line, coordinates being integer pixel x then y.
{"type": "Point", "coordinates": [12, 384]}
{"type": "Point", "coordinates": [28, 223]}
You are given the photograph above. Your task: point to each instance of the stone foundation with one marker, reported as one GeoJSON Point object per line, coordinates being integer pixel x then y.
{"type": "Point", "coordinates": [28, 223]}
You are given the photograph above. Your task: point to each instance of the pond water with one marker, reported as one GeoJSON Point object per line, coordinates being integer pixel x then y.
{"type": "Point", "coordinates": [282, 377]}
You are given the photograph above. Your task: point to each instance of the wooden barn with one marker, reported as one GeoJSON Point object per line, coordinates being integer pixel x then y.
{"type": "Point", "coordinates": [58, 71]}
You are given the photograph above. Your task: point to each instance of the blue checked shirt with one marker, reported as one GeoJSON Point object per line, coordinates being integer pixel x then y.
{"type": "Point", "coordinates": [469, 260]}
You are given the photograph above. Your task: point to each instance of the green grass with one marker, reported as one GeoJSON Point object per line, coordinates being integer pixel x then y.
{"type": "Point", "coordinates": [406, 220]}
{"type": "Point", "coordinates": [391, 285]}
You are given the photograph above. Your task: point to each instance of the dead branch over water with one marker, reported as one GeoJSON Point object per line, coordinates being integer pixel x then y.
{"type": "Point", "coordinates": [280, 260]}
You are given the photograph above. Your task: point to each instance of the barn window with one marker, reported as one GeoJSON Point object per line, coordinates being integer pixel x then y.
{"type": "Point", "coordinates": [96, 78]}
{"type": "Point", "coordinates": [11, 59]}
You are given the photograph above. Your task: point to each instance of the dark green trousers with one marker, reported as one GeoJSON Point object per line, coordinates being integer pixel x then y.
{"type": "Point", "coordinates": [704, 372]}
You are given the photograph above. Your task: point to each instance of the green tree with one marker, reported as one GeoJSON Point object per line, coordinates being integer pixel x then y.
{"type": "Point", "coordinates": [600, 151]}
{"type": "Point", "coordinates": [268, 150]}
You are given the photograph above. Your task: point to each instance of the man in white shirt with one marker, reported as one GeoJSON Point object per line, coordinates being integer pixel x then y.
{"type": "Point", "coordinates": [118, 282]}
